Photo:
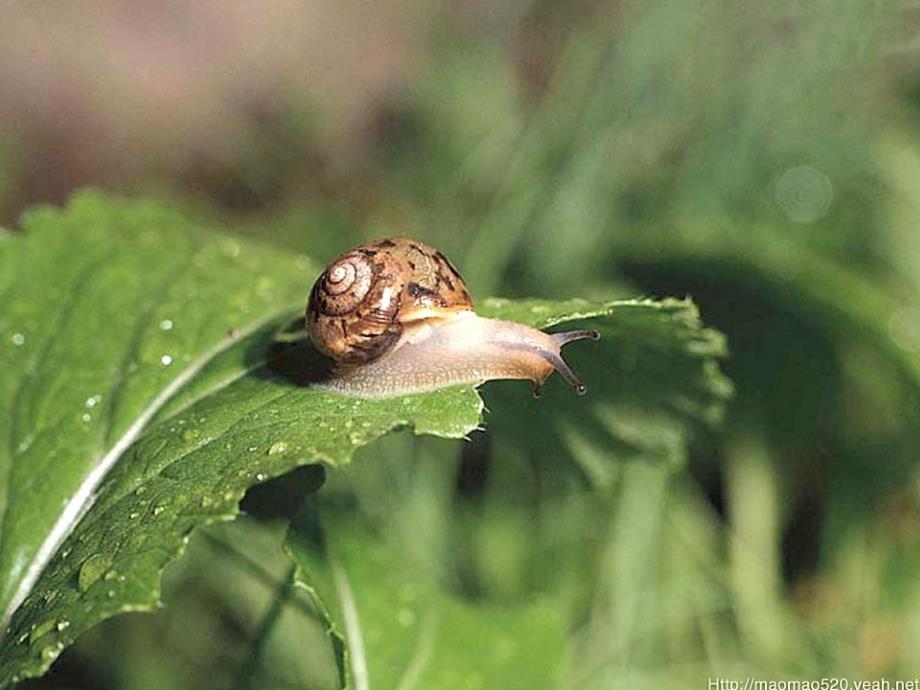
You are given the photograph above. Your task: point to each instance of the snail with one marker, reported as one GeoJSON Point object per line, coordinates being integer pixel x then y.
{"type": "Point", "coordinates": [395, 317]}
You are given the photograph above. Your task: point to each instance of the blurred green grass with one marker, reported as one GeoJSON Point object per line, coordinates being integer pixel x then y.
{"type": "Point", "coordinates": [761, 157]}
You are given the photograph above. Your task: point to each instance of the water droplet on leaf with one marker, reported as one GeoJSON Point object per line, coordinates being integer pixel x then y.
{"type": "Point", "coordinates": [50, 652]}
{"type": "Point", "coordinates": [92, 569]}
{"type": "Point", "coordinates": [277, 448]}
{"type": "Point", "coordinates": [40, 629]}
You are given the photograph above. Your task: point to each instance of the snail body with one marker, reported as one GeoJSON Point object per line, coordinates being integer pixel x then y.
{"type": "Point", "coordinates": [396, 317]}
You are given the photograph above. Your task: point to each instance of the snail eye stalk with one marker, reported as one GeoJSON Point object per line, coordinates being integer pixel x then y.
{"type": "Point", "coordinates": [560, 364]}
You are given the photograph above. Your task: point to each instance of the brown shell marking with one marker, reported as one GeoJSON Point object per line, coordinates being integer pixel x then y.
{"type": "Point", "coordinates": [360, 304]}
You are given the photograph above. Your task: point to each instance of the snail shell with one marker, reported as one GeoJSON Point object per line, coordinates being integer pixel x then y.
{"type": "Point", "coordinates": [396, 317]}
{"type": "Point", "coordinates": [366, 299]}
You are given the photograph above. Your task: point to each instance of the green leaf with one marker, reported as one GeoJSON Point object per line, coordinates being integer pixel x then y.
{"type": "Point", "coordinates": [144, 391]}
{"type": "Point", "coordinates": [404, 630]}
{"type": "Point", "coordinates": [395, 624]}
{"type": "Point", "coordinates": [656, 378]}
{"type": "Point", "coordinates": [135, 388]}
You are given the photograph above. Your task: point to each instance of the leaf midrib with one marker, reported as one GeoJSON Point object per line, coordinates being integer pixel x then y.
{"type": "Point", "coordinates": [85, 496]}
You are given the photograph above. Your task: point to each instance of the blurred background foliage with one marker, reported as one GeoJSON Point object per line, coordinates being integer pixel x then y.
{"type": "Point", "coordinates": [762, 157]}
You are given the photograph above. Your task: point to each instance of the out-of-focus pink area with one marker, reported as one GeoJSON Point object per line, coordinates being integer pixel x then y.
{"type": "Point", "coordinates": [91, 91]}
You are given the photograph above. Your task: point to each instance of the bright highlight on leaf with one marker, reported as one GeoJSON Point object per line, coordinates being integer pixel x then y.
{"type": "Point", "coordinates": [144, 391]}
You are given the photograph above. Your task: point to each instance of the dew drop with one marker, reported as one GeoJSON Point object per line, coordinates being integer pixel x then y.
{"type": "Point", "coordinates": [92, 569]}
{"type": "Point", "coordinates": [18, 339]}
{"type": "Point", "coordinates": [93, 400]}
{"type": "Point", "coordinates": [166, 360]}
{"type": "Point", "coordinates": [50, 652]}
{"type": "Point", "coordinates": [261, 477]}
{"type": "Point", "coordinates": [190, 434]}
{"type": "Point", "coordinates": [87, 417]}
{"type": "Point", "coordinates": [40, 629]}
{"type": "Point", "coordinates": [277, 448]}
{"type": "Point", "coordinates": [110, 575]}
{"type": "Point", "coordinates": [62, 625]}
{"type": "Point", "coordinates": [252, 449]}
{"type": "Point", "coordinates": [166, 325]}
{"type": "Point", "coordinates": [133, 515]}
{"type": "Point", "coordinates": [158, 510]}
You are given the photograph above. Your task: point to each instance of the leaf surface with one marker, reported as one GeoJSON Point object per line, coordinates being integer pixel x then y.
{"type": "Point", "coordinates": [393, 622]}
{"type": "Point", "coordinates": [404, 630]}
{"type": "Point", "coordinates": [144, 391]}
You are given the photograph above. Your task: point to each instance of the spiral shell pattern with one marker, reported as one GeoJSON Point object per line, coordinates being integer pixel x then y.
{"type": "Point", "coordinates": [362, 303]}
{"type": "Point", "coordinates": [344, 284]}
